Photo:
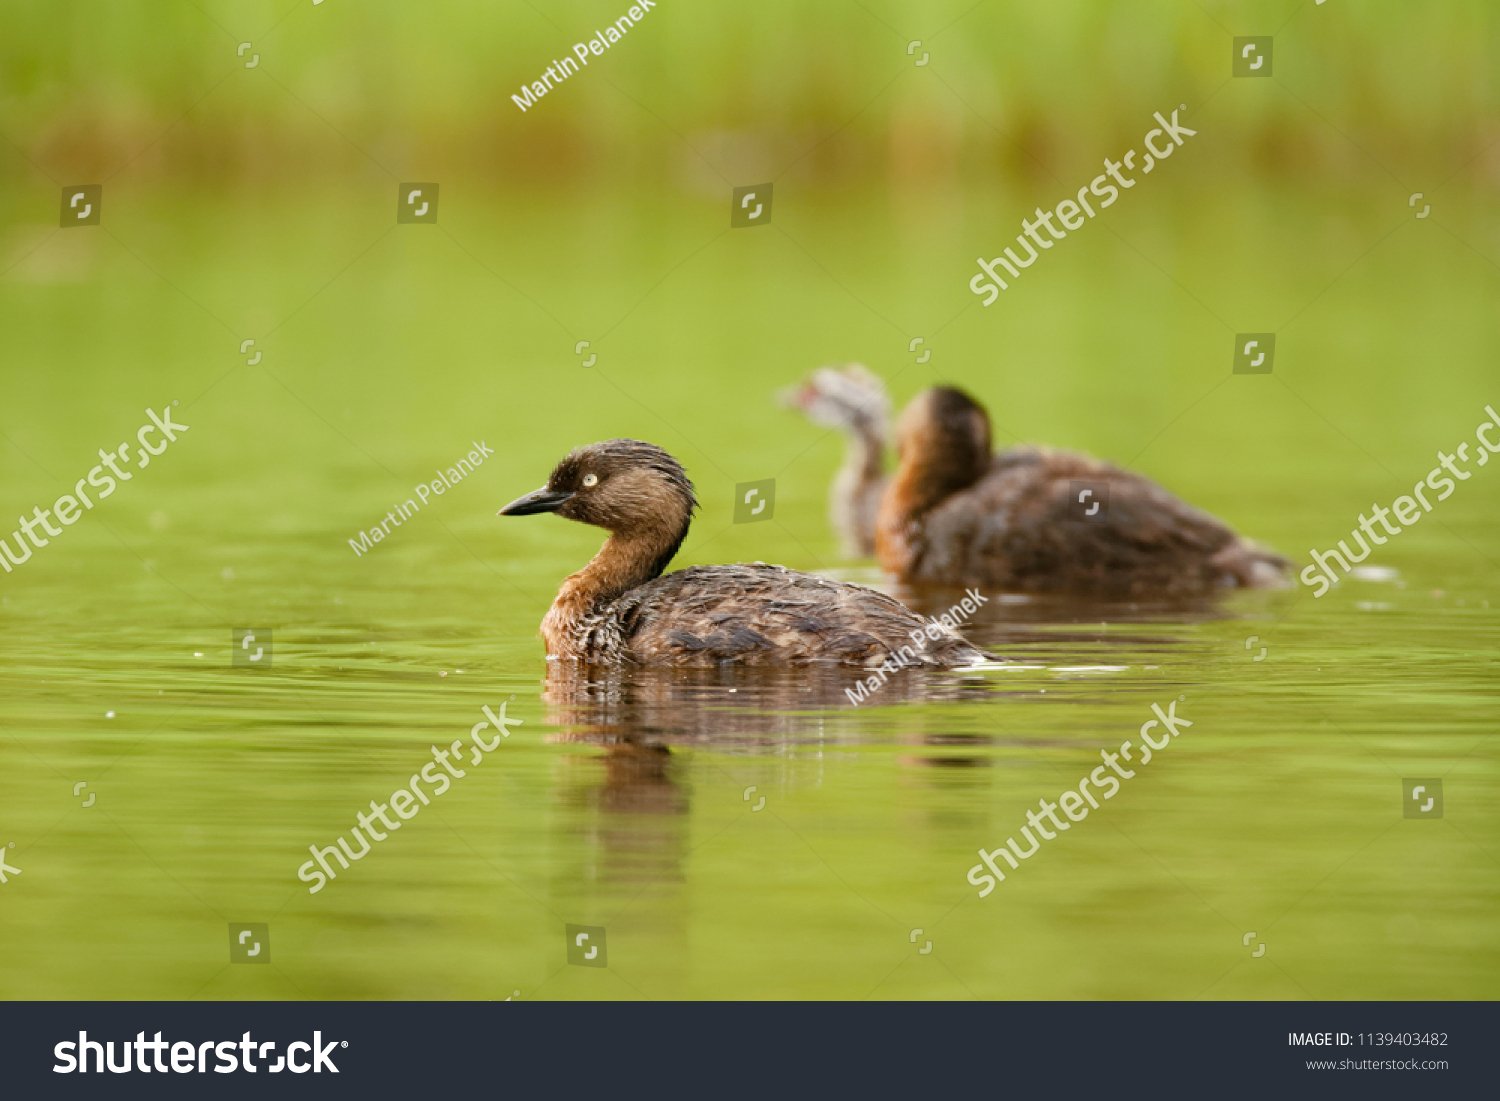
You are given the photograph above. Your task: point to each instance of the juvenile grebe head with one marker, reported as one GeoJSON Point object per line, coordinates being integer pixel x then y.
{"type": "Point", "coordinates": [634, 490]}
{"type": "Point", "coordinates": [850, 398]}
{"type": "Point", "coordinates": [943, 441]}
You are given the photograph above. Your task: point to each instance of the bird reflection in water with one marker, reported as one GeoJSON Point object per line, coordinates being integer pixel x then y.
{"type": "Point", "coordinates": [632, 800]}
{"type": "Point", "coordinates": [631, 793]}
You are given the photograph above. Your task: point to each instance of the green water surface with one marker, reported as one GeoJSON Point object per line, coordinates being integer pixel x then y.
{"type": "Point", "coordinates": [389, 351]}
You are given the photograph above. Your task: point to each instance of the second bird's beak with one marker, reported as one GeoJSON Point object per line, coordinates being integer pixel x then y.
{"type": "Point", "coordinates": [795, 397]}
{"type": "Point", "coordinates": [541, 500]}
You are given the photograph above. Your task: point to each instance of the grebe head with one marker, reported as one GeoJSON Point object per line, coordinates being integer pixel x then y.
{"type": "Point", "coordinates": [624, 486]}
{"type": "Point", "coordinates": [851, 398]}
{"type": "Point", "coordinates": [944, 436]}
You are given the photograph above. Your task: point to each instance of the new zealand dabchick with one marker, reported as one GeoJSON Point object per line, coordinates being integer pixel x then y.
{"type": "Point", "coordinates": [956, 514]}
{"type": "Point", "coordinates": [620, 608]}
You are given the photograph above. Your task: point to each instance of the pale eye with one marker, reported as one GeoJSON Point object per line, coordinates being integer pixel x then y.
{"type": "Point", "coordinates": [590, 480]}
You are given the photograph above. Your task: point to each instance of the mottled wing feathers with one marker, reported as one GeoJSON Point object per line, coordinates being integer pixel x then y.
{"type": "Point", "coordinates": [759, 614]}
{"type": "Point", "coordinates": [1020, 527]}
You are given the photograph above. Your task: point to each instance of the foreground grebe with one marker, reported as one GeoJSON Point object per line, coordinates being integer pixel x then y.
{"type": "Point", "coordinates": [955, 514]}
{"type": "Point", "coordinates": [619, 608]}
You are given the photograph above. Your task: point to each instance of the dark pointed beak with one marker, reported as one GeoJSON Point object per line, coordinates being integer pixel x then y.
{"type": "Point", "coordinates": [541, 500]}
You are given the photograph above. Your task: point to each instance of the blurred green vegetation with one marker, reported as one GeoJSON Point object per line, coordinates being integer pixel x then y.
{"type": "Point", "coordinates": [823, 92]}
